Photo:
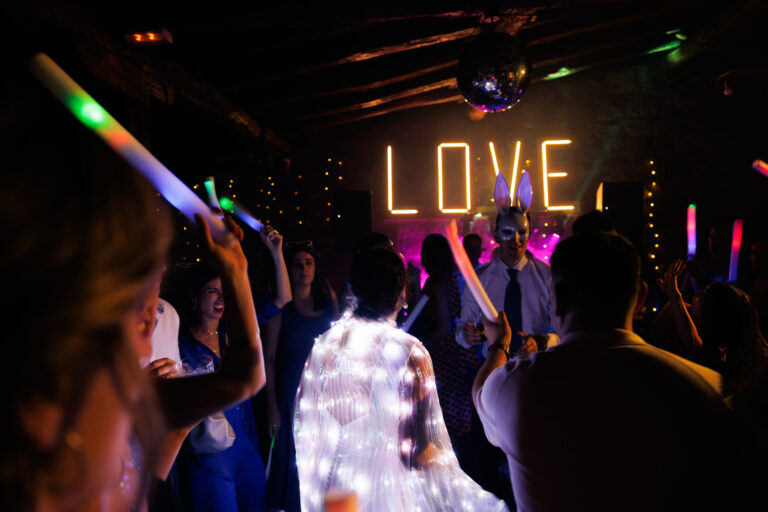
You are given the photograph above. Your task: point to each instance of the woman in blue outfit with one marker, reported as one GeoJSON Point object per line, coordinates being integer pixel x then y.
{"type": "Point", "coordinates": [218, 478]}
{"type": "Point", "coordinates": [308, 315]}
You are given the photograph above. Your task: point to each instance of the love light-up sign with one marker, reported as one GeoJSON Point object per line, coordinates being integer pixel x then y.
{"type": "Point", "coordinates": [546, 175]}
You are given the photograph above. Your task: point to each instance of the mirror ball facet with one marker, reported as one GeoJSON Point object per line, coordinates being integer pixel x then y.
{"type": "Point", "coordinates": [493, 72]}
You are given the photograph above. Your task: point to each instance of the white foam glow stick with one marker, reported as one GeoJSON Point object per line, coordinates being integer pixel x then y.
{"type": "Point", "coordinates": [93, 115]}
{"type": "Point", "coordinates": [415, 313]}
{"type": "Point", "coordinates": [470, 277]}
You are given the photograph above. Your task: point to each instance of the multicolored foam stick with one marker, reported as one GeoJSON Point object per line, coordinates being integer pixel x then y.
{"type": "Point", "coordinates": [240, 211]}
{"type": "Point", "coordinates": [269, 457]}
{"type": "Point", "coordinates": [415, 313]}
{"type": "Point", "coordinates": [210, 187]}
{"type": "Point", "coordinates": [760, 167]}
{"type": "Point", "coordinates": [733, 269]}
{"type": "Point", "coordinates": [470, 277]}
{"type": "Point", "coordinates": [93, 115]}
{"type": "Point", "coordinates": [690, 227]}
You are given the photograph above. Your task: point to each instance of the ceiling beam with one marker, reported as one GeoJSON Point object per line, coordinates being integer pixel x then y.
{"type": "Point", "coordinates": [365, 87]}
{"type": "Point", "coordinates": [448, 82]}
{"type": "Point", "coordinates": [413, 44]}
{"type": "Point", "coordinates": [608, 24]}
{"type": "Point", "coordinates": [408, 103]}
{"type": "Point", "coordinates": [141, 79]}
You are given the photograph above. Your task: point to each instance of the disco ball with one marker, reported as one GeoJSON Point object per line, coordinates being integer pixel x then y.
{"type": "Point", "coordinates": [493, 72]}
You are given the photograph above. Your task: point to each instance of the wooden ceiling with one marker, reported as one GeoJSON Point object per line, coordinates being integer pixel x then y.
{"type": "Point", "coordinates": [280, 70]}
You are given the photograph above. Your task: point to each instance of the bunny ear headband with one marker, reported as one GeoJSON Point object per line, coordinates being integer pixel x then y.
{"type": "Point", "coordinates": [523, 194]}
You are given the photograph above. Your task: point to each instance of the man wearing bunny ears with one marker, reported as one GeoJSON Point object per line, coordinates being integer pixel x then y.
{"type": "Point", "coordinates": [516, 282]}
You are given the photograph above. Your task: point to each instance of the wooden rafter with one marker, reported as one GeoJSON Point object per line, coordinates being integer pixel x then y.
{"type": "Point", "coordinates": [366, 87]}
{"type": "Point", "coordinates": [449, 82]}
{"type": "Point", "coordinates": [392, 103]}
{"type": "Point", "coordinates": [408, 103]}
{"type": "Point", "coordinates": [607, 24]}
{"type": "Point", "coordinates": [108, 61]}
{"type": "Point", "coordinates": [363, 56]}
{"type": "Point", "coordinates": [589, 51]}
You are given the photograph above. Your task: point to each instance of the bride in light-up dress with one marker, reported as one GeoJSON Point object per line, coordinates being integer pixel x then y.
{"type": "Point", "coordinates": [367, 417]}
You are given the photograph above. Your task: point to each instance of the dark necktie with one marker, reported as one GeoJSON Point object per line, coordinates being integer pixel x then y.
{"type": "Point", "coordinates": [513, 308]}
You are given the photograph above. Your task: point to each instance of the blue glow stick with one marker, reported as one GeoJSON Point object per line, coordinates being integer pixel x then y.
{"type": "Point", "coordinates": [415, 313]}
{"type": "Point", "coordinates": [240, 211]}
{"type": "Point", "coordinates": [93, 115]}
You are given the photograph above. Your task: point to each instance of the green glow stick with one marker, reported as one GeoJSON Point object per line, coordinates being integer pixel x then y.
{"type": "Point", "coordinates": [93, 115]}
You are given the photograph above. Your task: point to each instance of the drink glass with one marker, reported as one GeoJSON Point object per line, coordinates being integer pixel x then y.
{"type": "Point", "coordinates": [196, 365]}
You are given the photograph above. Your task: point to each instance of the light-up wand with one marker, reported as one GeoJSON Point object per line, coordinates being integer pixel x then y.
{"type": "Point", "coordinates": [95, 117]}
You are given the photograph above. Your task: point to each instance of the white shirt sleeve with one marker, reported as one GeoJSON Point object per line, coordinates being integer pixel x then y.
{"type": "Point", "coordinates": [470, 313]}
{"type": "Point", "coordinates": [165, 338]}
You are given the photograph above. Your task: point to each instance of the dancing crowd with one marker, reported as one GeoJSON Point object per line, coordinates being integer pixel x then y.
{"type": "Point", "coordinates": [242, 388]}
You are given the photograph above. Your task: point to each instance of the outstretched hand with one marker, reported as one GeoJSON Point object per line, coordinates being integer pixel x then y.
{"type": "Point", "coordinates": [165, 368]}
{"type": "Point", "coordinates": [498, 331]}
{"type": "Point", "coordinates": [530, 343]}
{"type": "Point", "coordinates": [225, 258]}
{"type": "Point", "coordinates": [669, 283]}
{"type": "Point", "coordinates": [272, 239]}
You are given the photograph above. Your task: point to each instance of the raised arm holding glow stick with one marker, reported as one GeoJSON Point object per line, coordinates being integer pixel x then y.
{"type": "Point", "coordinates": [470, 277]}
{"type": "Point", "coordinates": [93, 115]}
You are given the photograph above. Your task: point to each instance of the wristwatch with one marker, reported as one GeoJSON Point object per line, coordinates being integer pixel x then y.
{"type": "Point", "coordinates": [500, 347]}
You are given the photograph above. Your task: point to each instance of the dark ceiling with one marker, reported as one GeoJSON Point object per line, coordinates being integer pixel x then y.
{"type": "Point", "coordinates": [279, 71]}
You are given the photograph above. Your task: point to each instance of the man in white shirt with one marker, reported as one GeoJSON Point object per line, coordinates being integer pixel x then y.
{"type": "Point", "coordinates": [532, 276]}
{"type": "Point", "coordinates": [603, 421]}
{"type": "Point", "coordinates": [526, 300]}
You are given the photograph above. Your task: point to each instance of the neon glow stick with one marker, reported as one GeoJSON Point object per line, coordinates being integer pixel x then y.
{"type": "Point", "coordinates": [470, 277]}
{"type": "Point", "coordinates": [210, 187]}
{"type": "Point", "coordinates": [733, 269]}
{"type": "Point", "coordinates": [230, 205]}
{"type": "Point", "coordinates": [93, 115]}
{"type": "Point", "coordinates": [269, 457]}
{"type": "Point", "coordinates": [760, 167]}
{"type": "Point", "coordinates": [416, 310]}
{"type": "Point", "coordinates": [691, 230]}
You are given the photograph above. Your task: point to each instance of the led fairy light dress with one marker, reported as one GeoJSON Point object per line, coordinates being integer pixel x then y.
{"type": "Point", "coordinates": [367, 418]}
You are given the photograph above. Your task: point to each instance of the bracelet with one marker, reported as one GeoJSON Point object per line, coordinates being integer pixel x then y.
{"type": "Point", "coordinates": [500, 347]}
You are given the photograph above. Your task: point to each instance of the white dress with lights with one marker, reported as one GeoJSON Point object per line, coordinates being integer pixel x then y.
{"type": "Point", "coordinates": [367, 418]}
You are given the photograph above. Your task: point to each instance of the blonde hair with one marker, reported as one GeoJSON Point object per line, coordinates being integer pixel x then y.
{"type": "Point", "coordinates": [83, 238]}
